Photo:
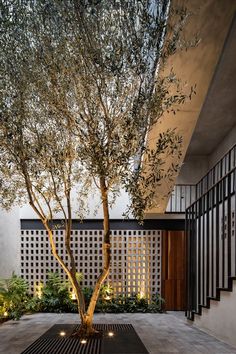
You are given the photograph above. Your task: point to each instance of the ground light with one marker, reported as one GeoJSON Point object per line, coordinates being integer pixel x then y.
{"type": "Point", "coordinates": [5, 314]}
{"type": "Point", "coordinates": [110, 334]}
{"type": "Point", "coordinates": [62, 333]}
{"type": "Point", "coordinates": [73, 296]}
{"type": "Point", "coordinates": [83, 341]}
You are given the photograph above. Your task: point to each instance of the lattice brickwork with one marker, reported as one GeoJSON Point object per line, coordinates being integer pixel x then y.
{"type": "Point", "coordinates": [136, 258]}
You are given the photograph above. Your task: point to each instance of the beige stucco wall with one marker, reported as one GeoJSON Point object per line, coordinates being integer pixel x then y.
{"type": "Point", "coordinates": [220, 319]}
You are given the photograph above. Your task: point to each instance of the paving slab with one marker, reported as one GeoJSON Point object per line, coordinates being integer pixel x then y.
{"type": "Point", "coordinates": [160, 333]}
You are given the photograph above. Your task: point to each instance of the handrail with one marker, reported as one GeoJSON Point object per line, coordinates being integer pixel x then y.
{"type": "Point", "coordinates": [213, 186]}
{"type": "Point", "coordinates": [218, 161]}
{"type": "Point", "coordinates": [222, 168]}
{"type": "Point", "coordinates": [210, 227]}
{"type": "Point", "coordinates": [216, 170]}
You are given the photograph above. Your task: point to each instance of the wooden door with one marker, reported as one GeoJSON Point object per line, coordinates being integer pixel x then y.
{"type": "Point", "coordinates": [174, 270]}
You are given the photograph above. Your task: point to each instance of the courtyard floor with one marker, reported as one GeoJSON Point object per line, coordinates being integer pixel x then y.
{"type": "Point", "coordinates": [160, 333]}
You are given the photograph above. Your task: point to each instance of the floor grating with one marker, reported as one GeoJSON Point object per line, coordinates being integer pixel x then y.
{"type": "Point", "coordinates": [123, 341]}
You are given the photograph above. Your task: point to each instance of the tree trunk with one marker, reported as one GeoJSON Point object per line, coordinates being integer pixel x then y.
{"type": "Point", "coordinates": [71, 274]}
{"type": "Point", "coordinates": [86, 317]}
{"type": "Point", "coordinates": [87, 322]}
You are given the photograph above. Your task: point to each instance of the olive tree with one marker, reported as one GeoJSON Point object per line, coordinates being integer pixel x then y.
{"type": "Point", "coordinates": [83, 85]}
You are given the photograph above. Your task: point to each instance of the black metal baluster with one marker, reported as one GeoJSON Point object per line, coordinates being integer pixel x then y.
{"type": "Point", "coordinates": [229, 225]}
{"type": "Point", "coordinates": [194, 259]}
{"type": "Point", "coordinates": [212, 245]}
{"type": "Point", "coordinates": [188, 237]}
{"type": "Point", "coordinates": [206, 216]}
{"type": "Point", "coordinates": [234, 172]}
{"type": "Point", "coordinates": [199, 253]}
{"type": "Point", "coordinates": [217, 236]}
{"type": "Point", "coordinates": [223, 232]}
{"type": "Point", "coordinates": [204, 253]}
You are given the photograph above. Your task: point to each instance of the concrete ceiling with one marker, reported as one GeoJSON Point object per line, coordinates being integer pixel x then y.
{"type": "Point", "coordinates": [212, 19]}
{"type": "Point", "coordinates": [218, 114]}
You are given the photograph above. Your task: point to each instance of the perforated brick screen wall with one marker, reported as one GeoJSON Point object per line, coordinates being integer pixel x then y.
{"type": "Point", "coordinates": [135, 266]}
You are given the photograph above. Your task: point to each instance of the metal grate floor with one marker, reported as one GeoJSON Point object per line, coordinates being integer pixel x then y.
{"type": "Point", "coordinates": [124, 341]}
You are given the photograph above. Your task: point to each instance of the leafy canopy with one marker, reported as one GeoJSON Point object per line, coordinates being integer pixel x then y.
{"type": "Point", "coordinates": [82, 88]}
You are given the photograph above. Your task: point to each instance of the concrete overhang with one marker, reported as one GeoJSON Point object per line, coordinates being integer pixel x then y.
{"type": "Point", "coordinates": [212, 20]}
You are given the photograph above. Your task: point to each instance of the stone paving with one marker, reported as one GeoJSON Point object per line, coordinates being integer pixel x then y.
{"type": "Point", "coordinates": [160, 333]}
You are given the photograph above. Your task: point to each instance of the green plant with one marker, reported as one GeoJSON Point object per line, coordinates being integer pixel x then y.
{"type": "Point", "coordinates": [158, 302]}
{"type": "Point", "coordinates": [33, 304]}
{"type": "Point", "coordinates": [106, 292]}
{"type": "Point", "coordinates": [87, 86]}
{"type": "Point", "coordinates": [132, 303]}
{"type": "Point", "coordinates": [87, 291]}
{"type": "Point", "coordinates": [13, 297]}
{"type": "Point", "coordinates": [56, 295]}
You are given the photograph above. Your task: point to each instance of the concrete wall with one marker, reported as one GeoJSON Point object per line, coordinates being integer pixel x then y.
{"type": "Point", "coordinates": [9, 242]}
{"type": "Point", "coordinates": [223, 148]}
{"type": "Point", "coordinates": [193, 169]}
{"type": "Point", "coordinates": [94, 204]}
{"type": "Point", "coordinates": [220, 319]}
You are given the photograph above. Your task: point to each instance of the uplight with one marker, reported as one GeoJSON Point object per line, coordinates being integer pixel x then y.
{"type": "Point", "coordinates": [110, 334]}
{"type": "Point", "coordinates": [73, 296]}
{"type": "Point", "coordinates": [142, 295]}
{"type": "Point", "coordinates": [5, 314]}
{"type": "Point", "coordinates": [62, 333]}
{"type": "Point", "coordinates": [83, 341]}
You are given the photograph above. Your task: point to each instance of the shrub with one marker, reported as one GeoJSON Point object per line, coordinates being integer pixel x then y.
{"type": "Point", "coordinates": [13, 297]}
{"type": "Point", "coordinates": [56, 296]}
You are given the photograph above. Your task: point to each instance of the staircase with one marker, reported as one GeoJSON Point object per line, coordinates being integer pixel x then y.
{"type": "Point", "coordinates": [211, 233]}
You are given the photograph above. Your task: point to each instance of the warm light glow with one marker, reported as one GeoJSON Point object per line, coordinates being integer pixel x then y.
{"type": "Point", "coordinates": [38, 290]}
{"type": "Point", "coordinates": [107, 297]}
{"type": "Point", "coordinates": [83, 341]}
{"type": "Point", "coordinates": [73, 296]}
{"type": "Point", "coordinates": [142, 295]}
{"type": "Point", "coordinates": [62, 333]}
{"type": "Point", "coordinates": [39, 294]}
{"type": "Point", "coordinates": [110, 334]}
{"type": "Point", "coordinates": [5, 314]}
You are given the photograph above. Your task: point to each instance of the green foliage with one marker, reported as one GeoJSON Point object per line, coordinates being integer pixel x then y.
{"type": "Point", "coordinates": [55, 285]}
{"type": "Point", "coordinates": [87, 291]}
{"type": "Point", "coordinates": [87, 85]}
{"type": "Point", "coordinates": [15, 300]}
{"type": "Point", "coordinates": [83, 85]}
{"type": "Point", "coordinates": [158, 301]}
{"type": "Point", "coordinates": [130, 304]}
{"type": "Point", "coordinates": [55, 295]}
{"type": "Point", "coordinates": [13, 297]}
{"type": "Point", "coordinates": [106, 292]}
{"type": "Point", "coordinates": [33, 305]}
